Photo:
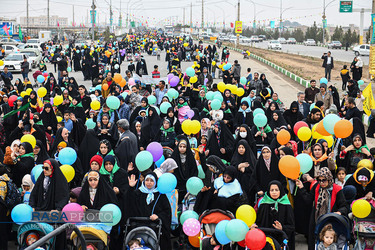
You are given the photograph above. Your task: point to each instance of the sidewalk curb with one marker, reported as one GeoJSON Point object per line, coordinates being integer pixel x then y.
{"type": "Point", "coordinates": [285, 72]}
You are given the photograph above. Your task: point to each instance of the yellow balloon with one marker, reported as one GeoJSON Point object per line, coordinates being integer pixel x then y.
{"type": "Point", "coordinates": [213, 63]}
{"type": "Point", "coordinates": [240, 92]}
{"type": "Point", "coordinates": [193, 79]}
{"type": "Point", "coordinates": [365, 163]}
{"type": "Point", "coordinates": [95, 105]}
{"type": "Point", "coordinates": [232, 88]}
{"type": "Point", "coordinates": [361, 208]}
{"type": "Point", "coordinates": [59, 118]}
{"type": "Point", "coordinates": [304, 134]}
{"type": "Point", "coordinates": [315, 135]}
{"type": "Point", "coordinates": [221, 86]}
{"type": "Point", "coordinates": [68, 172]}
{"type": "Point", "coordinates": [1, 62]}
{"type": "Point", "coordinates": [247, 214]}
{"type": "Point", "coordinates": [57, 100]}
{"type": "Point", "coordinates": [42, 92]}
{"type": "Point", "coordinates": [186, 126]}
{"type": "Point", "coordinates": [28, 91]}
{"type": "Point", "coordinates": [52, 54]}
{"type": "Point", "coordinates": [23, 93]}
{"type": "Point", "coordinates": [30, 139]}
{"type": "Point", "coordinates": [195, 127]}
{"type": "Point", "coordinates": [329, 140]}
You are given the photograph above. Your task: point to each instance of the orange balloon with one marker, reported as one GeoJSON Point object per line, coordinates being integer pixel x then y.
{"type": "Point", "coordinates": [289, 167]}
{"type": "Point", "coordinates": [343, 128]}
{"type": "Point", "coordinates": [122, 83]}
{"type": "Point", "coordinates": [283, 137]}
{"type": "Point", "coordinates": [117, 77]}
{"type": "Point", "coordinates": [194, 241]}
{"type": "Point", "coordinates": [321, 130]}
{"type": "Point", "coordinates": [105, 86]}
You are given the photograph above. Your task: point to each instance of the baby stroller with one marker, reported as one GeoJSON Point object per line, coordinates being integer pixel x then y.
{"type": "Point", "coordinates": [364, 231]}
{"type": "Point", "coordinates": [188, 202]}
{"type": "Point", "coordinates": [188, 56]}
{"type": "Point", "coordinates": [210, 218]}
{"type": "Point", "coordinates": [129, 57]}
{"type": "Point", "coordinates": [340, 224]}
{"type": "Point", "coordinates": [93, 236]}
{"type": "Point", "coordinates": [145, 229]}
{"type": "Point", "coordinates": [276, 239]}
{"type": "Point", "coordinates": [41, 229]}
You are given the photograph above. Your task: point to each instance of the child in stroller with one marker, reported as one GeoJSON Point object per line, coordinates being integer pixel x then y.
{"type": "Point", "coordinates": [136, 244]}
{"type": "Point", "coordinates": [29, 233]}
{"type": "Point", "coordinates": [144, 230]}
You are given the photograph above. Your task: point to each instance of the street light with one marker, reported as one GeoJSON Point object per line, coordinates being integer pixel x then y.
{"type": "Point", "coordinates": [324, 17]}
{"type": "Point", "coordinates": [223, 15]}
{"type": "Point", "coordinates": [127, 13]}
{"type": "Point", "coordinates": [281, 16]}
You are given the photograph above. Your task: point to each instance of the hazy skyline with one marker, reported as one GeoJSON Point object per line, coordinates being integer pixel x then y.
{"type": "Point", "coordinates": [302, 11]}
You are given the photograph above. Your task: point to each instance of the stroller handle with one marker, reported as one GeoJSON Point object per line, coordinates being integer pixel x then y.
{"type": "Point", "coordinates": [275, 231]}
{"type": "Point", "coordinates": [143, 219]}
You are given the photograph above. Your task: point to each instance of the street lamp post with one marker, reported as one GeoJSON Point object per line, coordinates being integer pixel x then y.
{"type": "Point", "coordinates": [324, 17]}
{"type": "Point", "coordinates": [223, 15]}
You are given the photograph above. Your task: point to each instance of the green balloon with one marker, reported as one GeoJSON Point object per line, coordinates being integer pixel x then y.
{"type": "Point", "coordinates": [164, 107]}
{"type": "Point", "coordinates": [236, 230]}
{"type": "Point", "coordinates": [210, 95]}
{"type": "Point", "coordinates": [143, 160]}
{"type": "Point", "coordinates": [194, 185]}
{"type": "Point", "coordinates": [260, 120]}
{"type": "Point", "coordinates": [215, 104]}
{"type": "Point", "coordinates": [172, 93]}
{"type": "Point", "coordinates": [243, 80]}
{"type": "Point", "coordinates": [258, 111]}
{"type": "Point", "coordinates": [151, 99]}
{"type": "Point", "coordinates": [218, 96]}
{"type": "Point", "coordinates": [190, 71]}
{"type": "Point", "coordinates": [201, 174]}
{"type": "Point", "coordinates": [113, 102]}
{"type": "Point", "coordinates": [188, 214]}
{"type": "Point", "coordinates": [90, 124]}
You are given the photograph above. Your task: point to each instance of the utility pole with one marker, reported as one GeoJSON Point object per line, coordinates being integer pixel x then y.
{"type": "Point", "coordinates": [183, 20]}
{"type": "Point", "coordinates": [324, 19]}
{"type": "Point", "coordinates": [202, 24]}
{"type": "Point", "coordinates": [93, 7]}
{"type": "Point", "coordinates": [238, 19]}
{"type": "Point", "coordinates": [120, 21]}
{"type": "Point", "coordinates": [73, 15]}
{"type": "Point", "coordinates": [27, 17]}
{"type": "Point", "coordinates": [372, 55]}
{"type": "Point", "coordinates": [47, 13]}
{"type": "Point", "coordinates": [110, 15]}
{"type": "Point", "coordinates": [191, 17]}
{"type": "Point", "coordinates": [281, 17]}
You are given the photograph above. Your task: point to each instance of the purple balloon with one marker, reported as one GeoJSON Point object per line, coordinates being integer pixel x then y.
{"type": "Point", "coordinates": [156, 149]}
{"type": "Point", "coordinates": [190, 113]}
{"type": "Point", "coordinates": [174, 81]}
{"type": "Point", "coordinates": [206, 80]}
{"type": "Point", "coordinates": [169, 76]}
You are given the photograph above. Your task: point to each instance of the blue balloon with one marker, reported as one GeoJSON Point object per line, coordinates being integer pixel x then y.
{"type": "Point", "coordinates": [210, 95]}
{"type": "Point", "coordinates": [116, 214]}
{"type": "Point", "coordinates": [98, 87]}
{"type": "Point", "coordinates": [258, 111]}
{"type": "Point", "coordinates": [190, 71]}
{"type": "Point", "coordinates": [160, 161]}
{"type": "Point", "coordinates": [329, 122]}
{"type": "Point", "coordinates": [194, 185]}
{"type": "Point", "coordinates": [167, 183]}
{"type": "Point", "coordinates": [90, 124]}
{"type": "Point", "coordinates": [201, 173]}
{"type": "Point", "coordinates": [305, 162]}
{"type": "Point", "coordinates": [219, 96]}
{"type": "Point", "coordinates": [323, 80]}
{"type": "Point", "coordinates": [35, 172]}
{"type": "Point", "coordinates": [40, 78]}
{"type": "Point", "coordinates": [67, 156]}
{"type": "Point", "coordinates": [220, 232]}
{"type": "Point", "coordinates": [22, 213]}
{"type": "Point", "coordinates": [312, 105]}
{"type": "Point", "coordinates": [260, 120]}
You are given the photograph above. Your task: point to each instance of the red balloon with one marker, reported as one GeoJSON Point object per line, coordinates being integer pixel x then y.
{"type": "Point", "coordinates": [11, 100]}
{"type": "Point", "coordinates": [255, 239]}
{"type": "Point", "coordinates": [45, 74]}
{"type": "Point", "coordinates": [242, 243]}
{"type": "Point", "coordinates": [299, 125]}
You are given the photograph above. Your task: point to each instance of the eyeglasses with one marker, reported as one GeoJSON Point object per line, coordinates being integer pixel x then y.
{"type": "Point", "coordinates": [294, 109]}
{"type": "Point", "coordinates": [321, 180]}
{"type": "Point", "coordinates": [46, 168]}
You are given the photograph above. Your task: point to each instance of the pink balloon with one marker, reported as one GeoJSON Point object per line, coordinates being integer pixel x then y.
{"type": "Point", "coordinates": [131, 81]}
{"type": "Point", "coordinates": [190, 113]}
{"type": "Point", "coordinates": [73, 212]}
{"type": "Point", "coordinates": [191, 227]}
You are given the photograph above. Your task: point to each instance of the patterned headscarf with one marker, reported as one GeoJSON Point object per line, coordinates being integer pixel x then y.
{"type": "Point", "coordinates": [322, 205]}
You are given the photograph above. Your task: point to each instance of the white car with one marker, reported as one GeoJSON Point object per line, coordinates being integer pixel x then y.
{"type": "Point", "coordinates": [9, 41]}
{"type": "Point", "coordinates": [282, 40]}
{"type": "Point", "coordinates": [254, 39]}
{"type": "Point", "coordinates": [13, 62]}
{"type": "Point", "coordinates": [309, 42]}
{"type": "Point", "coordinates": [245, 40]}
{"type": "Point", "coordinates": [10, 48]}
{"type": "Point", "coordinates": [362, 50]}
{"type": "Point", "coordinates": [274, 44]}
{"type": "Point", "coordinates": [34, 55]}
{"type": "Point", "coordinates": [37, 41]}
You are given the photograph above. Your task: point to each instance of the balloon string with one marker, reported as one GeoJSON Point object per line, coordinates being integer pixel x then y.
{"type": "Point", "coordinates": [152, 212]}
{"type": "Point", "coordinates": [295, 191]}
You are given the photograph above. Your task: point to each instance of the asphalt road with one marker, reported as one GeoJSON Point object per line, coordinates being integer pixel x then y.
{"type": "Point", "coordinates": [314, 51]}
{"type": "Point", "coordinates": [285, 87]}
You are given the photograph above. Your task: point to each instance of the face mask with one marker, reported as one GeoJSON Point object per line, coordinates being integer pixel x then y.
{"type": "Point", "coordinates": [243, 134]}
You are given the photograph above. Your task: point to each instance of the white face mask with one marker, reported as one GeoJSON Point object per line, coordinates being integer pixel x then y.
{"type": "Point", "coordinates": [243, 134]}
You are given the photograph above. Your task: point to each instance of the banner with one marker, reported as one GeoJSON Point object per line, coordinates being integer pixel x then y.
{"type": "Point", "coordinates": [272, 24]}
{"type": "Point", "coordinates": [369, 102]}
{"type": "Point", "coordinates": [373, 29]}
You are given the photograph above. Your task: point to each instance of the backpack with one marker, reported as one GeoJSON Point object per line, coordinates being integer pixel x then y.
{"type": "Point", "coordinates": [13, 196]}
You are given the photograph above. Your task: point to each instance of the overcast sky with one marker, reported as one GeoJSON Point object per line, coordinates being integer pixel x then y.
{"type": "Point", "coordinates": [302, 11]}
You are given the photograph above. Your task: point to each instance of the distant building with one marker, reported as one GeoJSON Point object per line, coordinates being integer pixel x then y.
{"type": "Point", "coordinates": [42, 21]}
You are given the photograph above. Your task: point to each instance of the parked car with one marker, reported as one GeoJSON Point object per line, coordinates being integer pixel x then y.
{"type": "Point", "coordinates": [274, 44]}
{"type": "Point", "coordinates": [35, 41]}
{"type": "Point", "coordinates": [34, 55]}
{"type": "Point", "coordinates": [10, 48]}
{"type": "Point", "coordinates": [9, 41]}
{"type": "Point", "coordinates": [254, 39]}
{"type": "Point", "coordinates": [13, 62]}
{"type": "Point", "coordinates": [262, 38]}
{"type": "Point", "coordinates": [335, 45]}
{"type": "Point", "coordinates": [282, 40]}
{"type": "Point", "coordinates": [291, 40]}
{"type": "Point", "coordinates": [309, 42]}
{"type": "Point", "coordinates": [245, 40]}
{"type": "Point", "coordinates": [362, 50]}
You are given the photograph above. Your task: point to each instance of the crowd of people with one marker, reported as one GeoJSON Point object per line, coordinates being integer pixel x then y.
{"type": "Point", "coordinates": [237, 160]}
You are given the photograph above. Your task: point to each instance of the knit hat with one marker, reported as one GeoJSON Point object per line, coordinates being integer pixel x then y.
{"type": "Point", "coordinates": [98, 159]}
{"type": "Point", "coordinates": [32, 235]}
{"type": "Point", "coordinates": [323, 85]}
{"type": "Point", "coordinates": [109, 158]}
{"type": "Point", "coordinates": [62, 144]}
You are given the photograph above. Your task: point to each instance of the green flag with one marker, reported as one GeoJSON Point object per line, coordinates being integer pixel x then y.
{"type": "Point", "coordinates": [20, 33]}
{"type": "Point", "coordinates": [23, 108]}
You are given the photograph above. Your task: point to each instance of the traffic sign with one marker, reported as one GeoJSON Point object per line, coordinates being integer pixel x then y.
{"type": "Point", "coordinates": [346, 6]}
{"type": "Point", "coordinates": [238, 27]}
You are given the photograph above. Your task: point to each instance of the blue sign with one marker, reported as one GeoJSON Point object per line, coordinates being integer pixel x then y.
{"type": "Point", "coordinates": [272, 24]}
{"type": "Point", "coordinates": [6, 29]}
